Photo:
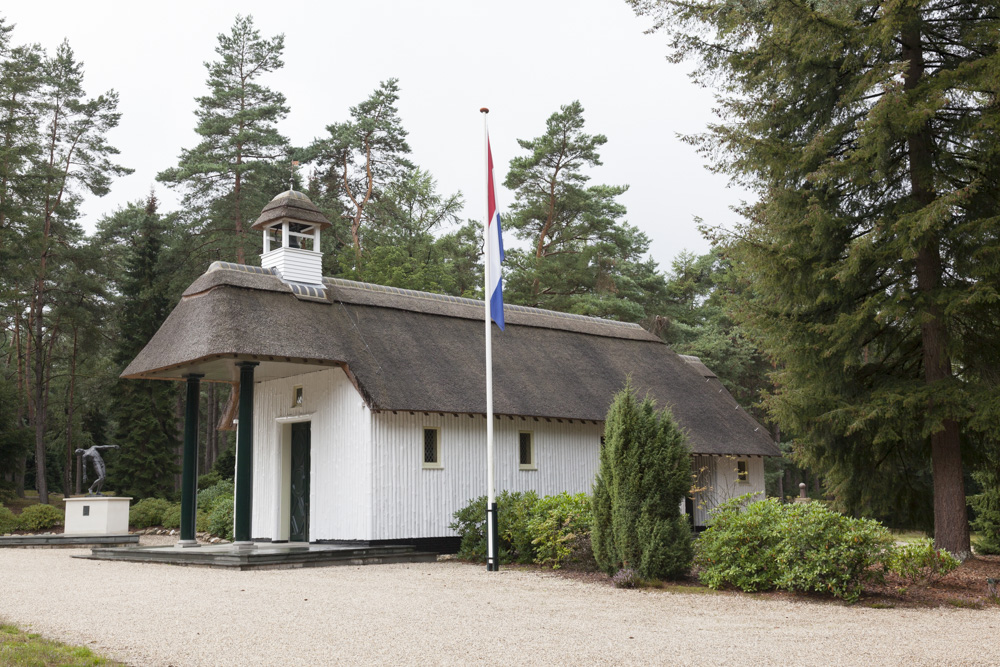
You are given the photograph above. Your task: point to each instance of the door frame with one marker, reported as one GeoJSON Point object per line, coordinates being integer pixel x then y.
{"type": "Point", "coordinates": [284, 500]}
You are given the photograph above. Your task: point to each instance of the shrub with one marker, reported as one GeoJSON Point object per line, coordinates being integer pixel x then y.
{"type": "Point", "coordinates": [625, 578]}
{"type": "Point", "coordinates": [220, 518]}
{"type": "Point", "coordinates": [556, 526]}
{"type": "Point", "coordinates": [8, 521]}
{"type": "Point", "coordinates": [208, 480]}
{"type": "Point", "coordinates": [39, 517]}
{"type": "Point", "coordinates": [148, 512]}
{"type": "Point", "coordinates": [515, 541]}
{"type": "Point", "coordinates": [920, 560]}
{"type": "Point", "coordinates": [796, 547]}
{"type": "Point", "coordinates": [172, 518]}
{"type": "Point", "coordinates": [644, 474]}
{"type": "Point", "coordinates": [208, 496]}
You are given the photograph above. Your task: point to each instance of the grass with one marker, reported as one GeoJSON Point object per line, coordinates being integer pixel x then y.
{"type": "Point", "coordinates": [27, 649]}
{"type": "Point", "coordinates": [16, 505]}
{"type": "Point", "coordinates": [909, 536]}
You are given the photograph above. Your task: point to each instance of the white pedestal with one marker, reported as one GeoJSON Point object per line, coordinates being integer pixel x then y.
{"type": "Point", "coordinates": [97, 515]}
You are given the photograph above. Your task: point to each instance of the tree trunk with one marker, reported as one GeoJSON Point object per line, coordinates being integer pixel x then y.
{"type": "Point", "coordinates": [68, 469]}
{"type": "Point", "coordinates": [951, 525]}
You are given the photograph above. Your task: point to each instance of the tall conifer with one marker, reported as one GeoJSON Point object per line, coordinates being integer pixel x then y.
{"type": "Point", "coordinates": [868, 131]}
{"type": "Point", "coordinates": [143, 410]}
{"type": "Point", "coordinates": [241, 161]}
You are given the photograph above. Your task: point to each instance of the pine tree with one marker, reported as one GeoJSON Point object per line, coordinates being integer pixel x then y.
{"type": "Point", "coordinates": [644, 474]}
{"type": "Point", "coordinates": [357, 163]}
{"type": "Point", "coordinates": [240, 164]}
{"type": "Point", "coordinates": [143, 410]}
{"type": "Point", "coordinates": [582, 257]}
{"type": "Point", "coordinates": [868, 132]}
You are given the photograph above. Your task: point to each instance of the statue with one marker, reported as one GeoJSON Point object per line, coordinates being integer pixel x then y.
{"type": "Point", "coordinates": [93, 455]}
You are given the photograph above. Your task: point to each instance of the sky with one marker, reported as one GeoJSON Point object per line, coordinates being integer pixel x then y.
{"type": "Point", "coordinates": [522, 59]}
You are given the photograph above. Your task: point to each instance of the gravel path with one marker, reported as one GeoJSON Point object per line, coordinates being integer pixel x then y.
{"type": "Point", "coordinates": [453, 613]}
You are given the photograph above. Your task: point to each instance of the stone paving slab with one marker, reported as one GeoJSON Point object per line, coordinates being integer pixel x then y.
{"type": "Point", "coordinates": [75, 541]}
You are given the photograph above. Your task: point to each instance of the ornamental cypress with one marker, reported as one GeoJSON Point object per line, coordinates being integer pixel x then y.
{"type": "Point", "coordinates": [644, 474]}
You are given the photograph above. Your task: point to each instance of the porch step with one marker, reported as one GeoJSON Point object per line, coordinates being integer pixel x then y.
{"type": "Point", "coordinates": [265, 556]}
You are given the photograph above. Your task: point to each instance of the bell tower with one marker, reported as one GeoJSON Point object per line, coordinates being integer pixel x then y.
{"type": "Point", "coordinates": [291, 225]}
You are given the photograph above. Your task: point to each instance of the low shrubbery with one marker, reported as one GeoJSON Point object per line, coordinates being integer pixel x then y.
{"type": "Point", "coordinates": [550, 530]}
{"type": "Point", "coordinates": [39, 517]}
{"type": "Point", "coordinates": [8, 521]}
{"type": "Point", "coordinates": [805, 547]}
{"type": "Point", "coordinates": [208, 495]}
{"type": "Point", "coordinates": [148, 512]}
{"type": "Point", "coordinates": [920, 560]}
{"type": "Point", "coordinates": [220, 517]}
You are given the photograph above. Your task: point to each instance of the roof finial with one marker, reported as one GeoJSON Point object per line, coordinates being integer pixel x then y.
{"type": "Point", "coordinates": [291, 176]}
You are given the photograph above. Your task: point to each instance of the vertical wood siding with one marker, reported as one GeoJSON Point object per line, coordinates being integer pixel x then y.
{"type": "Point", "coordinates": [410, 501]}
{"type": "Point", "coordinates": [340, 479]}
{"type": "Point", "coordinates": [716, 477]}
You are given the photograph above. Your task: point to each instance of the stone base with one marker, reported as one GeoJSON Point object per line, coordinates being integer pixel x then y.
{"type": "Point", "coordinates": [96, 515]}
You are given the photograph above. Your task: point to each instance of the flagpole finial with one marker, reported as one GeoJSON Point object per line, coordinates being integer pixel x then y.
{"type": "Point", "coordinates": [484, 110]}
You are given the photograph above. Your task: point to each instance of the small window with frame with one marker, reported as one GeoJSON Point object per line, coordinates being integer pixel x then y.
{"type": "Point", "coordinates": [526, 451]}
{"type": "Point", "coordinates": [297, 396]}
{"type": "Point", "coordinates": [432, 448]}
{"type": "Point", "coordinates": [742, 473]}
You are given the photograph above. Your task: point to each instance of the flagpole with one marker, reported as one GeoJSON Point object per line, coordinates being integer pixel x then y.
{"type": "Point", "coordinates": [492, 533]}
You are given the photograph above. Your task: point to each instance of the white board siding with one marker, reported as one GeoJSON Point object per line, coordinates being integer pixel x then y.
{"type": "Point", "coordinates": [340, 475]}
{"type": "Point", "coordinates": [716, 479]}
{"type": "Point", "coordinates": [411, 501]}
{"type": "Point", "coordinates": [295, 264]}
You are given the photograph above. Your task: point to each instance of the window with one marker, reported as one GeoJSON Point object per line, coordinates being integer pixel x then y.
{"type": "Point", "coordinates": [742, 475]}
{"type": "Point", "coordinates": [432, 448]}
{"type": "Point", "coordinates": [526, 451]}
{"type": "Point", "coordinates": [296, 397]}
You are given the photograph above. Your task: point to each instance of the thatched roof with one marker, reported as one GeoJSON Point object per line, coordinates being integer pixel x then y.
{"type": "Point", "coordinates": [420, 352]}
{"type": "Point", "coordinates": [294, 206]}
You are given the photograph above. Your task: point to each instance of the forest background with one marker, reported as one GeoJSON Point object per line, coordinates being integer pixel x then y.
{"type": "Point", "coordinates": [76, 307]}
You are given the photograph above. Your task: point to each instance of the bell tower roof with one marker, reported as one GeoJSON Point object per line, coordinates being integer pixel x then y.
{"type": "Point", "coordinates": [294, 207]}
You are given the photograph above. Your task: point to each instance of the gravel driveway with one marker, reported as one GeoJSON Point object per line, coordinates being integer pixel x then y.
{"type": "Point", "coordinates": [453, 613]}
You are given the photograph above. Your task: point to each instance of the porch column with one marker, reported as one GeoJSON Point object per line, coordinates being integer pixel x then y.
{"type": "Point", "coordinates": [244, 456]}
{"type": "Point", "coordinates": [189, 470]}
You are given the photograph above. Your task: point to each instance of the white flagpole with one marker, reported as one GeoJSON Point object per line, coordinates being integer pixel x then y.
{"type": "Point", "coordinates": [492, 551]}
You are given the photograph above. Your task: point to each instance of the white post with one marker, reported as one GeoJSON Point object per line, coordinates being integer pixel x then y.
{"type": "Point", "coordinates": [267, 241]}
{"type": "Point", "coordinates": [492, 549]}
{"type": "Point", "coordinates": [284, 234]}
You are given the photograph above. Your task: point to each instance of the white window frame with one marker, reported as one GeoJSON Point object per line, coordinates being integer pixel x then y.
{"type": "Point", "coordinates": [533, 464]}
{"type": "Point", "coordinates": [436, 465]}
{"type": "Point", "coordinates": [298, 396]}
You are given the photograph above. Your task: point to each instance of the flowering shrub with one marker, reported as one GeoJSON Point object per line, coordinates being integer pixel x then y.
{"type": "Point", "coordinates": [625, 578]}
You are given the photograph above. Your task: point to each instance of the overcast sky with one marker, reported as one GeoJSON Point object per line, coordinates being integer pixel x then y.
{"type": "Point", "coordinates": [521, 58]}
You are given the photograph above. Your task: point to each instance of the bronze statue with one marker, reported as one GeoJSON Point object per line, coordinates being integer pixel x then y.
{"type": "Point", "coordinates": [93, 455]}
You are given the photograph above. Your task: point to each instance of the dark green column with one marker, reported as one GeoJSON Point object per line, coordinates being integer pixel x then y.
{"type": "Point", "coordinates": [244, 455]}
{"type": "Point", "coordinates": [189, 470]}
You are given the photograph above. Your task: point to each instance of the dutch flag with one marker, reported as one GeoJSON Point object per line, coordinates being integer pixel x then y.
{"type": "Point", "coordinates": [494, 244]}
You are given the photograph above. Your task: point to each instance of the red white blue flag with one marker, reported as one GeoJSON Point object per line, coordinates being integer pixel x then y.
{"type": "Point", "coordinates": [494, 245]}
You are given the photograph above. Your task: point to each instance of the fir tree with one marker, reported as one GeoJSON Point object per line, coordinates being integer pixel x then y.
{"type": "Point", "coordinates": [644, 474]}
{"type": "Point", "coordinates": [143, 410]}
{"type": "Point", "coordinates": [230, 176]}
{"type": "Point", "coordinates": [867, 130]}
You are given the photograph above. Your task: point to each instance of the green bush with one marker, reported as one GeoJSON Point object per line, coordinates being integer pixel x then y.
{"type": "Point", "coordinates": [920, 560]}
{"type": "Point", "coordinates": [148, 512]}
{"type": "Point", "coordinates": [644, 474]}
{"type": "Point", "coordinates": [220, 518]}
{"type": "Point", "coordinates": [8, 521]}
{"type": "Point", "coordinates": [556, 525]}
{"type": "Point", "coordinates": [514, 509]}
{"type": "Point", "coordinates": [208, 496]}
{"type": "Point", "coordinates": [797, 547]}
{"type": "Point", "coordinates": [39, 517]}
{"type": "Point", "coordinates": [172, 518]}
{"type": "Point", "coordinates": [209, 479]}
